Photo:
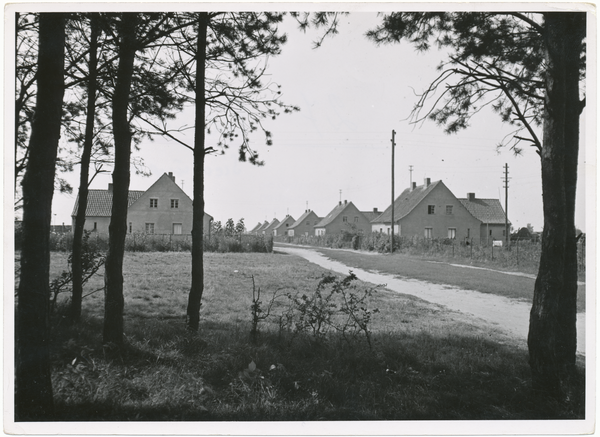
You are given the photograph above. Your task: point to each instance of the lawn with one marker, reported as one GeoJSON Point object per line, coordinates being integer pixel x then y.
{"type": "Point", "coordinates": [425, 363]}
{"type": "Point", "coordinates": [442, 272]}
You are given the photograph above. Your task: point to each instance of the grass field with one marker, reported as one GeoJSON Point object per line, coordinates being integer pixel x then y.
{"type": "Point", "coordinates": [425, 364]}
{"type": "Point", "coordinates": [484, 281]}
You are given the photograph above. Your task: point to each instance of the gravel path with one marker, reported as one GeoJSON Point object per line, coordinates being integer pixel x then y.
{"type": "Point", "coordinates": [509, 315]}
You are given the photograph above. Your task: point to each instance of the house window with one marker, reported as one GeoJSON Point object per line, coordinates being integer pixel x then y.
{"type": "Point", "coordinates": [149, 228]}
{"type": "Point", "coordinates": [174, 203]}
{"type": "Point", "coordinates": [490, 232]}
{"type": "Point", "coordinates": [130, 227]}
{"type": "Point", "coordinates": [448, 209]}
{"type": "Point", "coordinates": [345, 219]}
{"type": "Point", "coordinates": [430, 209]}
{"type": "Point", "coordinates": [452, 233]}
{"type": "Point", "coordinates": [355, 219]}
{"type": "Point", "coordinates": [177, 228]}
{"type": "Point", "coordinates": [153, 203]}
{"type": "Point", "coordinates": [428, 232]}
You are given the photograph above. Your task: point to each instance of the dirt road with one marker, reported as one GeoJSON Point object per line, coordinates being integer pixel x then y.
{"type": "Point", "coordinates": [509, 315]}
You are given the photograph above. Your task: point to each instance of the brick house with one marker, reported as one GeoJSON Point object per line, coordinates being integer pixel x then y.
{"type": "Point", "coordinates": [429, 211]}
{"type": "Point", "coordinates": [491, 215]}
{"type": "Point", "coordinates": [255, 228]}
{"type": "Point", "coordinates": [261, 228]}
{"type": "Point", "coordinates": [164, 208]}
{"type": "Point", "coordinates": [344, 217]}
{"type": "Point", "coordinates": [269, 229]}
{"type": "Point", "coordinates": [282, 228]}
{"type": "Point", "coordinates": [305, 225]}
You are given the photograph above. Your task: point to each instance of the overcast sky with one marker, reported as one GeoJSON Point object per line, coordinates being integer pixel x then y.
{"type": "Point", "coordinates": [352, 94]}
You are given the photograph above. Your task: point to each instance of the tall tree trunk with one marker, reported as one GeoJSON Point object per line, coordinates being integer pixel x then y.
{"type": "Point", "coordinates": [197, 287]}
{"type": "Point", "coordinates": [117, 230]}
{"type": "Point", "coordinates": [552, 337]}
{"type": "Point", "coordinates": [84, 176]}
{"type": "Point", "coordinates": [33, 387]}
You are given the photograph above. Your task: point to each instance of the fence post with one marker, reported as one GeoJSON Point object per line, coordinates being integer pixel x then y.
{"type": "Point", "coordinates": [471, 245]}
{"type": "Point", "coordinates": [517, 252]}
{"type": "Point", "coordinates": [492, 251]}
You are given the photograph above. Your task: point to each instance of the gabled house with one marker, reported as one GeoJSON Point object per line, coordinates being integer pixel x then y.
{"type": "Point", "coordinates": [164, 208]}
{"type": "Point", "coordinates": [428, 211]}
{"type": "Point", "coordinates": [491, 215]}
{"type": "Point", "coordinates": [270, 227]}
{"type": "Point", "coordinates": [344, 217]}
{"type": "Point", "coordinates": [305, 225]}
{"type": "Point", "coordinates": [255, 228]}
{"type": "Point", "coordinates": [282, 228]}
{"type": "Point", "coordinates": [371, 215]}
{"type": "Point", "coordinates": [261, 228]}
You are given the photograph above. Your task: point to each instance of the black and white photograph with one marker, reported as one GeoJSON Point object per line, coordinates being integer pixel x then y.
{"type": "Point", "coordinates": [300, 218]}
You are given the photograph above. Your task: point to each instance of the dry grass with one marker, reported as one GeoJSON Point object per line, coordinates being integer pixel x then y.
{"type": "Point", "coordinates": [426, 363]}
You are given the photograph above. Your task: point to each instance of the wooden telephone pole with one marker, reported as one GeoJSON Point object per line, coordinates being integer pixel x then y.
{"type": "Point", "coordinates": [507, 230]}
{"type": "Point", "coordinates": [393, 197]}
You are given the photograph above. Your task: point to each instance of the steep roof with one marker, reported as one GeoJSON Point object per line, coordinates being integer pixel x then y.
{"type": "Point", "coordinates": [257, 227]}
{"type": "Point", "coordinates": [263, 226]}
{"type": "Point", "coordinates": [334, 213]}
{"type": "Point", "coordinates": [406, 202]}
{"type": "Point", "coordinates": [271, 225]}
{"type": "Point", "coordinates": [371, 215]}
{"type": "Point", "coordinates": [99, 202]}
{"type": "Point", "coordinates": [288, 219]}
{"type": "Point", "coordinates": [304, 217]}
{"type": "Point", "coordinates": [489, 211]}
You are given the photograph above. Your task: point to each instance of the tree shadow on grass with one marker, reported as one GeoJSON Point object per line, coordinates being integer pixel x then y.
{"type": "Point", "coordinates": [164, 373]}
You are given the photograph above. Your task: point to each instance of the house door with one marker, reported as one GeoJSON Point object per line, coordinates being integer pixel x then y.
{"type": "Point", "coordinates": [177, 228]}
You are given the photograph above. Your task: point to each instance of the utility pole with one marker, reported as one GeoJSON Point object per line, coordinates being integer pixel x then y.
{"type": "Point", "coordinates": [393, 197]}
{"type": "Point", "coordinates": [340, 196]}
{"type": "Point", "coordinates": [410, 168]}
{"type": "Point", "coordinates": [507, 231]}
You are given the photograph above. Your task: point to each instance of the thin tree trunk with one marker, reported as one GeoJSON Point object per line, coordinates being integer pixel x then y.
{"type": "Point", "coordinates": [197, 287]}
{"type": "Point", "coordinates": [33, 386]}
{"type": "Point", "coordinates": [84, 176]}
{"type": "Point", "coordinates": [117, 230]}
{"type": "Point", "coordinates": [552, 337]}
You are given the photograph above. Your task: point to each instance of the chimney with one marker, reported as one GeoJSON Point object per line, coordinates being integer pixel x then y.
{"type": "Point", "coordinates": [110, 190]}
{"type": "Point", "coordinates": [345, 202]}
{"type": "Point", "coordinates": [375, 210]}
{"type": "Point", "coordinates": [171, 176]}
{"type": "Point", "coordinates": [427, 182]}
{"type": "Point", "coordinates": [340, 202]}
{"type": "Point", "coordinates": [471, 196]}
{"type": "Point", "coordinates": [414, 186]}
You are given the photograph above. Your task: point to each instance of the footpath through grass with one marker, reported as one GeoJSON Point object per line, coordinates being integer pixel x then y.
{"type": "Point", "coordinates": [426, 363]}
{"type": "Point", "coordinates": [442, 272]}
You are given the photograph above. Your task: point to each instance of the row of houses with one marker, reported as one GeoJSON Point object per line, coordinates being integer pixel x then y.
{"type": "Point", "coordinates": [430, 210]}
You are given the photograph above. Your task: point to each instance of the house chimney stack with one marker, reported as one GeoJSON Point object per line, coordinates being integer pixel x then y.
{"type": "Point", "coordinates": [345, 202]}
{"type": "Point", "coordinates": [471, 196]}
{"type": "Point", "coordinates": [414, 186]}
{"type": "Point", "coordinates": [110, 189]}
{"type": "Point", "coordinates": [171, 176]}
{"type": "Point", "coordinates": [375, 210]}
{"type": "Point", "coordinates": [340, 202]}
{"type": "Point", "coordinates": [427, 182]}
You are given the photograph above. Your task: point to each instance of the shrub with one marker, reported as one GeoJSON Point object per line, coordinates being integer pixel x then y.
{"type": "Point", "coordinates": [335, 306]}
